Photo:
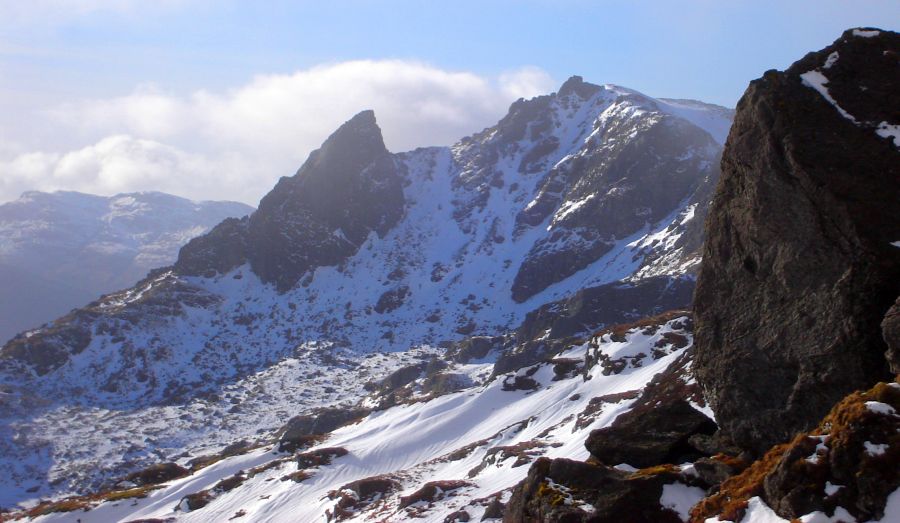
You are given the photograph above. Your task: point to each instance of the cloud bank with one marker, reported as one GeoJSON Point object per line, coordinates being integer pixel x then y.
{"type": "Point", "coordinates": [235, 144]}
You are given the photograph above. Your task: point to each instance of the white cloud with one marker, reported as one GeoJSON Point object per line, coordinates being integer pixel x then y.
{"type": "Point", "coordinates": [251, 135]}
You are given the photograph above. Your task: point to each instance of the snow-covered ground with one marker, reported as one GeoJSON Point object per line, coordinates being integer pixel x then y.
{"type": "Point", "coordinates": [479, 440]}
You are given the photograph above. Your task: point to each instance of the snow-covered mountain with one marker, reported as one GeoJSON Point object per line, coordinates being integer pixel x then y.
{"type": "Point", "coordinates": [578, 209]}
{"type": "Point", "coordinates": [61, 250]}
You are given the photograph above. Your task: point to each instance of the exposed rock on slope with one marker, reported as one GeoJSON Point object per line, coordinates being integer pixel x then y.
{"type": "Point", "coordinates": [798, 266]}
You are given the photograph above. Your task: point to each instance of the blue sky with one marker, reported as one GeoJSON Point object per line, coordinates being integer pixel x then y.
{"type": "Point", "coordinates": [61, 60]}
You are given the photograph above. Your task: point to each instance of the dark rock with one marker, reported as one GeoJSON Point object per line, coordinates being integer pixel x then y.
{"type": "Point", "coordinates": [661, 423]}
{"type": "Point", "coordinates": [195, 501]}
{"type": "Point", "coordinates": [474, 348]}
{"type": "Point", "coordinates": [348, 188]}
{"type": "Point", "coordinates": [391, 300]}
{"type": "Point", "coordinates": [445, 383]}
{"type": "Point", "coordinates": [798, 267]}
{"type": "Point", "coordinates": [890, 329]}
{"type": "Point", "coordinates": [595, 307]}
{"type": "Point", "coordinates": [432, 491]}
{"type": "Point", "coordinates": [647, 437]}
{"type": "Point", "coordinates": [495, 510]}
{"type": "Point", "coordinates": [402, 377]}
{"type": "Point", "coordinates": [156, 474]}
{"type": "Point", "coordinates": [298, 430]}
{"type": "Point", "coordinates": [564, 368]}
{"type": "Point", "coordinates": [519, 382]}
{"type": "Point", "coordinates": [319, 457]}
{"type": "Point", "coordinates": [614, 494]}
{"type": "Point", "coordinates": [460, 516]}
{"type": "Point", "coordinates": [715, 471]}
{"type": "Point", "coordinates": [358, 494]}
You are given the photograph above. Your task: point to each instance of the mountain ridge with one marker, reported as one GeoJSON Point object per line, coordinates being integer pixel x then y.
{"type": "Point", "coordinates": [193, 337]}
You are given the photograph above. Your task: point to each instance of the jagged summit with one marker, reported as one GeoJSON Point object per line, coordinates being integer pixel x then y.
{"type": "Point", "coordinates": [576, 85]}
{"type": "Point", "coordinates": [352, 147]}
{"type": "Point", "coordinates": [349, 187]}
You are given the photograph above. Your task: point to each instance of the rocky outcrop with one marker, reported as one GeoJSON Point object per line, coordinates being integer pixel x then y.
{"type": "Point", "coordinates": [660, 426]}
{"type": "Point", "coordinates": [350, 187]}
{"type": "Point", "coordinates": [300, 431]}
{"type": "Point", "coordinates": [556, 490]}
{"type": "Point", "coordinates": [890, 327]}
{"type": "Point", "coordinates": [798, 266]}
{"type": "Point", "coordinates": [845, 468]}
{"type": "Point", "coordinates": [647, 437]}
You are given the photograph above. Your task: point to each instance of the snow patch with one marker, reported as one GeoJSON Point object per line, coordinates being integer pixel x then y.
{"type": "Point", "coordinates": [876, 449]}
{"type": "Point", "coordinates": [680, 498]}
{"type": "Point", "coordinates": [892, 131]}
{"type": "Point", "coordinates": [817, 81]}
{"type": "Point", "coordinates": [881, 408]}
{"type": "Point", "coordinates": [863, 33]}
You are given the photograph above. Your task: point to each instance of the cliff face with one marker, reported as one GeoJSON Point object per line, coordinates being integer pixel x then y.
{"type": "Point", "coordinates": [801, 263]}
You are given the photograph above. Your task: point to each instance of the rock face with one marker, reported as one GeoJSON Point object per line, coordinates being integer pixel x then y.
{"type": "Point", "coordinates": [320, 216]}
{"type": "Point", "coordinates": [798, 265]}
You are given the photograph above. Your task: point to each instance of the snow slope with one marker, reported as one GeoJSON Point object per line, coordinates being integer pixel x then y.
{"type": "Point", "coordinates": [479, 440]}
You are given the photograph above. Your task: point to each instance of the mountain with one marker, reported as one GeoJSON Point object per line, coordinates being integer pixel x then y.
{"type": "Point", "coordinates": [550, 422]}
{"type": "Point", "coordinates": [578, 209]}
{"type": "Point", "coordinates": [61, 250]}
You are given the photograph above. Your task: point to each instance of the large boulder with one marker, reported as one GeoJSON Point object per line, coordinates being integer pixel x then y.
{"type": "Point", "coordinates": [798, 265]}
{"type": "Point", "coordinates": [661, 427]}
{"type": "Point", "coordinates": [300, 431]}
{"type": "Point", "coordinates": [647, 437]}
{"type": "Point", "coordinates": [563, 490]}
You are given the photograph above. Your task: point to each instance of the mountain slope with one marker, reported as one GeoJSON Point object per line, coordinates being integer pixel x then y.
{"type": "Point", "coordinates": [60, 250]}
{"type": "Point", "coordinates": [581, 205]}
{"type": "Point", "coordinates": [431, 457]}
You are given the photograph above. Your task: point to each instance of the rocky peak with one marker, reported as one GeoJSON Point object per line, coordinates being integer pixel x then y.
{"type": "Point", "coordinates": [577, 86]}
{"type": "Point", "coordinates": [348, 188]}
{"type": "Point", "coordinates": [798, 266]}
